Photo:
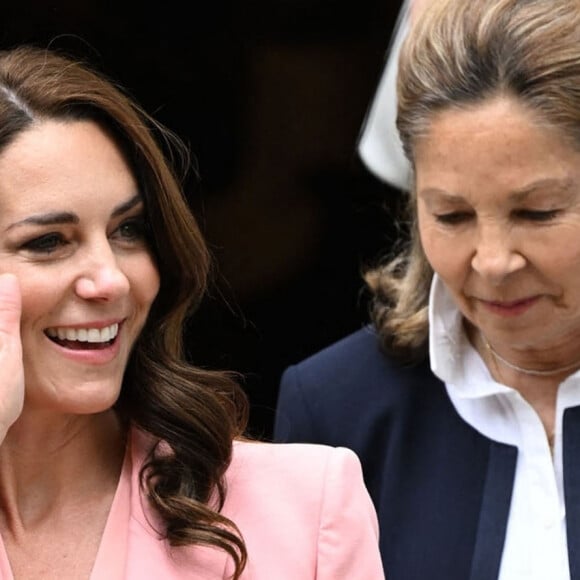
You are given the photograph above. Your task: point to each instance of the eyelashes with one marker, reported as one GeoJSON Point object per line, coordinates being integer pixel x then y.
{"type": "Point", "coordinates": [538, 215]}
{"type": "Point", "coordinates": [136, 228]}
{"type": "Point", "coordinates": [133, 231]}
{"type": "Point", "coordinates": [453, 218]}
{"type": "Point", "coordinates": [45, 244]}
{"type": "Point", "coordinates": [531, 215]}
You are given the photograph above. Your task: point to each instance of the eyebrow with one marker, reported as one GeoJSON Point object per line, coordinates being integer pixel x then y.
{"type": "Point", "coordinates": [563, 185]}
{"type": "Point", "coordinates": [127, 205]}
{"type": "Point", "coordinates": [65, 217]}
{"type": "Point", "coordinates": [518, 195]}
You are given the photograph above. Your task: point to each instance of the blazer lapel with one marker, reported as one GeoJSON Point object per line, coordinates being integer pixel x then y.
{"type": "Point", "coordinates": [494, 512]}
{"type": "Point", "coordinates": [571, 459]}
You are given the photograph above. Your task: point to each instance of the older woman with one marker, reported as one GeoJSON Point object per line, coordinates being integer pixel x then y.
{"type": "Point", "coordinates": [463, 399]}
{"type": "Point", "coordinates": [118, 459]}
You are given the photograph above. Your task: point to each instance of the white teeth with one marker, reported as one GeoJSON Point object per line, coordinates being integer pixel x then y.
{"type": "Point", "coordinates": [93, 335]}
{"type": "Point", "coordinates": [85, 334]}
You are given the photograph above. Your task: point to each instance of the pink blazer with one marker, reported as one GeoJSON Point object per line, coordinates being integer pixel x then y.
{"type": "Point", "coordinates": [303, 511]}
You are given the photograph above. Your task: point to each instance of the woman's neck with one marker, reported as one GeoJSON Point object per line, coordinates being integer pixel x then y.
{"type": "Point", "coordinates": [42, 468]}
{"type": "Point", "coordinates": [540, 390]}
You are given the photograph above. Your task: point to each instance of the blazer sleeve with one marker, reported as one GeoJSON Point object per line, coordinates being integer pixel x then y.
{"type": "Point", "coordinates": [348, 535]}
{"type": "Point", "coordinates": [294, 420]}
{"type": "Point", "coordinates": [319, 395]}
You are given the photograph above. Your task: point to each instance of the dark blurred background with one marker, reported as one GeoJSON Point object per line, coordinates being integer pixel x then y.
{"type": "Point", "coordinates": [270, 95]}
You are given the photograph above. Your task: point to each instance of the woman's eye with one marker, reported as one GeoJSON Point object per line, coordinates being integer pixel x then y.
{"type": "Point", "coordinates": [133, 229]}
{"type": "Point", "coordinates": [45, 244]}
{"type": "Point", "coordinates": [537, 215]}
{"type": "Point", "coordinates": [453, 218]}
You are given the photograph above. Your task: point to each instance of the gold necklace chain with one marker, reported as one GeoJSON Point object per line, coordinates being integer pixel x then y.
{"type": "Point", "coordinates": [534, 372]}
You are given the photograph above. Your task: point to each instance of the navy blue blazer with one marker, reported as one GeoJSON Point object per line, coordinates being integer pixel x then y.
{"type": "Point", "coordinates": [441, 489]}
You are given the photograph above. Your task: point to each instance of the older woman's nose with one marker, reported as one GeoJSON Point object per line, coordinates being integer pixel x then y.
{"type": "Point", "coordinates": [495, 255]}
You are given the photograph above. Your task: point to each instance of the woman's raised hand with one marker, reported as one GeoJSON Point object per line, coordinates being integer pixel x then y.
{"type": "Point", "coordinates": [11, 366]}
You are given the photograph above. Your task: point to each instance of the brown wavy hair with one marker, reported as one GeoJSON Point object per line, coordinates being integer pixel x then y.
{"type": "Point", "coordinates": [198, 413]}
{"type": "Point", "coordinates": [458, 54]}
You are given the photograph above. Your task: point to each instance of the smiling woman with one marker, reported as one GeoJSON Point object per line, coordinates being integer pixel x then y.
{"type": "Point", "coordinates": [118, 459]}
{"type": "Point", "coordinates": [84, 230]}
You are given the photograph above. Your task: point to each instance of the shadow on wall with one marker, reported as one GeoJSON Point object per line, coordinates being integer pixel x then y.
{"type": "Point", "coordinates": [270, 96]}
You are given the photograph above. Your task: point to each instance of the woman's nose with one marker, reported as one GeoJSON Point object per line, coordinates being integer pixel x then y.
{"type": "Point", "coordinates": [495, 255]}
{"type": "Point", "coordinates": [102, 277]}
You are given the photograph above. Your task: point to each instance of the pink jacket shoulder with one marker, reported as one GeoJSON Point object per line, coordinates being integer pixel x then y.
{"type": "Point", "coordinates": [302, 509]}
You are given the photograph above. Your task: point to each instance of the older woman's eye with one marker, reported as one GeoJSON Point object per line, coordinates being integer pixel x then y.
{"type": "Point", "coordinates": [453, 218]}
{"type": "Point", "coordinates": [537, 215]}
{"type": "Point", "coordinates": [44, 244]}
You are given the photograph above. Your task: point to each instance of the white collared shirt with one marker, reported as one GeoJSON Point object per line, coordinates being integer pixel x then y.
{"type": "Point", "coordinates": [535, 546]}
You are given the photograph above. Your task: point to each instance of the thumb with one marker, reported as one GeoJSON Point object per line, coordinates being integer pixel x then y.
{"type": "Point", "coordinates": [11, 366]}
{"type": "Point", "coordinates": [10, 304]}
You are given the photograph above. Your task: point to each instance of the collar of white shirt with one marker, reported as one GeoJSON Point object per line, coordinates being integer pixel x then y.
{"type": "Point", "coordinates": [485, 404]}
{"type": "Point", "coordinates": [535, 546]}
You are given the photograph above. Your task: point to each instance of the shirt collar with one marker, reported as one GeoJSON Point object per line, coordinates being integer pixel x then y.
{"type": "Point", "coordinates": [453, 358]}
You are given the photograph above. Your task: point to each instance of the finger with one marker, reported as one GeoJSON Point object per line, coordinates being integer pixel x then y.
{"type": "Point", "coordinates": [10, 304]}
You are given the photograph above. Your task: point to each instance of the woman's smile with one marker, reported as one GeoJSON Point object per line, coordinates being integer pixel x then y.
{"type": "Point", "coordinates": [88, 345]}
{"type": "Point", "coordinates": [512, 308]}
{"type": "Point", "coordinates": [90, 336]}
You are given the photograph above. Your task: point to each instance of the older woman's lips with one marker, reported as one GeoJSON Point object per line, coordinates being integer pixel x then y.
{"type": "Point", "coordinates": [511, 308]}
